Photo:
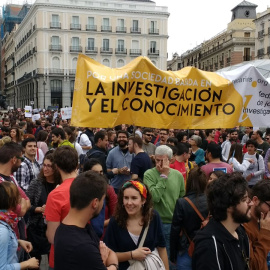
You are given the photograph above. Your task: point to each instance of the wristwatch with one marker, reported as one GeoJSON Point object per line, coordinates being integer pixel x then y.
{"type": "Point", "coordinates": [114, 264]}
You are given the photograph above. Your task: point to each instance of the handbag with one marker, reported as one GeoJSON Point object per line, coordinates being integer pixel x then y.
{"type": "Point", "coordinates": [152, 260]}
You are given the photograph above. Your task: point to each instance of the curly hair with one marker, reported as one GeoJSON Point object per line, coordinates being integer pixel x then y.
{"type": "Point", "coordinates": [121, 215]}
{"type": "Point", "coordinates": [225, 192]}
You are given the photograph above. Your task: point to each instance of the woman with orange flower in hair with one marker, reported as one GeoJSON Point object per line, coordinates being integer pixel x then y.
{"type": "Point", "coordinates": [135, 219]}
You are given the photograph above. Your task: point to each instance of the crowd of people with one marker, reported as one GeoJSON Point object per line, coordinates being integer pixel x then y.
{"type": "Point", "coordinates": [132, 197]}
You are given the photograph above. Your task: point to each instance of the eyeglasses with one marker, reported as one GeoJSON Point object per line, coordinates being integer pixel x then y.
{"type": "Point", "coordinates": [267, 138]}
{"type": "Point", "coordinates": [149, 135]}
{"type": "Point", "coordinates": [49, 166]}
{"type": "Point", "coordinates": [21, 158]}
{"type": "Point", "coordinates": [268, 204]}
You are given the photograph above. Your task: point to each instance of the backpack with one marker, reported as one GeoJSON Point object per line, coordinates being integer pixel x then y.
{"type": "Point", "coordinates": [84, 157]}
{"type": "Point", "coordinates": [203, 224]}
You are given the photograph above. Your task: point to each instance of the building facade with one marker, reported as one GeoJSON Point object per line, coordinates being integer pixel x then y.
{"type": "Point", "coordinates": [233, 45]}
{"type": "Point", "coordinates": [53, 33]}
{"type": "Point", "coordinates": [262, 35]}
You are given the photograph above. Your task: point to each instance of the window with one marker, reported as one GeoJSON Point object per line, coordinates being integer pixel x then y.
{"type": "Point", "coordinates": [91, 21]}
{"type": "Point", "coordinates": [74, 63]}
{"type": "Point", "coordinates": [135, 25]}
{"type": "Point", "coordinates": [91, 44]}
{"type": "Point", "coordinates": [120, 63]}
{"type": "Point", "coordinates": [72, 83]}
{"type": "Point", "coordinates": [121, 45]}
{"type": "Point", "coordinates": [75, 23]}
{"type": "Point", "coordinates": [55, 40]}
{"type": "Point", "coordinates": [56, 93]}
{"type": "Point", "coordinates": [135, 44]}
{"type": "Point", "coordinates": [106, 25]}
{"type": "Point", "coordinates": [75, 42]}
{"type": "Point", "coordinates": [55, 21]}
{"type": "Point", "coordinates": [56, 63]}
{"type": "Point", "coordinates": [121, 25]}
{"type": "Point", "coordinates": [153, 46]}
{"type": "Point", "coordinates": [106, 44]}
{"type": "Point", "coordinates": [247, 34]}
{"type": "Point", "coordinates": [247, 56]}
{"type": "Point", "coordinates": [153, 25]}
{"type": "Point", "coordinates": [106, 62]}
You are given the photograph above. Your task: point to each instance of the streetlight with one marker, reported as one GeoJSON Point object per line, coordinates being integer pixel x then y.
{"type": "Point", "coordinates": [44, 84]}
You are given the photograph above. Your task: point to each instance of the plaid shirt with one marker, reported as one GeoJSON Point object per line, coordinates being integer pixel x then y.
{"type": "Point", "coordinates": [25, 173]}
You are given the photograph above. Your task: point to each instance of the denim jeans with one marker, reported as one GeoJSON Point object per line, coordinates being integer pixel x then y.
{"type": "Point", "coordinates": [167, 232]}
{"type": "Point", "coordinates": [184, 261]}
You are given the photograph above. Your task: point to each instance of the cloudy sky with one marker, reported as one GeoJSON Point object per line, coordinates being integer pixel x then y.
{"type": "Point", "coordinates": [192, 21]}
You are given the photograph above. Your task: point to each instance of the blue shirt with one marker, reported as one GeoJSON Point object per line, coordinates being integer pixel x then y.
{"type": "Point", "coordinates": [8, 248]}
{"type": "Point", "coordinates": [117, 159]}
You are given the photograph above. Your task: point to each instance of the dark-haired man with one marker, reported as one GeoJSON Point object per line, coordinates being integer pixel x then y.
{"type": "Point", "coordinates": [141, 161]}
{"type": "Point", "coordinates": [213, 156]}
{"type": "Point", "coordinates": [164, 135]}
{"type": "Point", "coordinates": [223, 239]}
{"type": "Point", "coordinates": [57, 206]}
{"type": "Point", "coordinates": [29, 168]}
{"type": "Point", "coordinates": [87, 193]}
{"type": "Point", "coordinates": [119, 160]}
{"type": "Point", "coordinates": [227, 146]}
{"type": "Point", "coordinates": [258, 229]}
{"type": "Point", "coordinates": [59, 138]}
{"type": "Point", "coordinates": [256, 170]}
{"type": "Point", "coordinates": [147, 146]}
{"type": "Point", "coordinates": [262, 145]}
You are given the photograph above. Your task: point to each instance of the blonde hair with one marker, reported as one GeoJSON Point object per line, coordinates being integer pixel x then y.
{"type": "Point", "coordinates": [4, 140]}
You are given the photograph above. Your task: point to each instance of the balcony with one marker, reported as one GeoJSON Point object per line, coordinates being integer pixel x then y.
{"type": "Point", "coordinates": [120, 51]}
{"type": "Point", "coordinates": [228, 59]}
{"type": "Point", "coordinates": [72, 71]}
{"type": "Point", "coordinates": [56, 71]}
{"type": "Point", "coordinates": [153, 52]}
{"type": "Point", "coordinates": [90, 27]}
{"type": "Point", "coordinates": [135, 30]}
{"type": "Point", "coordinates": [246, 58]}
{"type": "Point", "coordinates": [153, 31]}
{"type": "Point", "coordinates": [55, 25]}
{"type": "Point", "coordinates": [75, 26]}
{"type": "Point", "coordinates": [105, 50]}
{"type": "Point", "coordinates": [260, 34]}
{"type": "Point", "coordinates": [75, 48]}
{"type": "Point", "coordinates": [105, 28]}
{"type": "Point", "coordinates": [135, 52]}
{"type": "Point", "coordinates": [57, 48]}
{"type": "Point", "coordinates": [121, 29]}
{"type": "Point", "coordinates": [91, 50]}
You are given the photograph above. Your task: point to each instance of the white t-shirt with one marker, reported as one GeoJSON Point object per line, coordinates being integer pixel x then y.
{"type": "Point", "coordinates": [84, 141]}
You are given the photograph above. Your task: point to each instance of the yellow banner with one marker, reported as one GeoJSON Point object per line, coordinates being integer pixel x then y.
{"type": "Point", "coordinates": [142, 95]}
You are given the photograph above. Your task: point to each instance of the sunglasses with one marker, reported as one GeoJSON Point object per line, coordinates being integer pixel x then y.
{"type": "Point", "coordinates": [149, 135]}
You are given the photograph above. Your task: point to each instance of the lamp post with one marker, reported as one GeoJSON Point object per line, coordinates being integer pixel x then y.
{"type": "Point", "coordinates": [44, 84]}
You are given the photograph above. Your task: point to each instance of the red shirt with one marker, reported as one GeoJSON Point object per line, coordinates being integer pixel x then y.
{"type": "Point", "coordinates": [181, 167]}
{"type": "Point", "coordinates": [57, 208]}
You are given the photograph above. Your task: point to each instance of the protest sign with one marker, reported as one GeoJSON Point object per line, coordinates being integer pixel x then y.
{"type": "Point", "coordinates": [141, 94]}
{"type": "Point", "coordinates": [28, 111]}
{"type": "Point", "coordinates": [66, 113]}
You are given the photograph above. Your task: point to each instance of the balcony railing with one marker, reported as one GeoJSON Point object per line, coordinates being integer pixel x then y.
{"type": "Point", "coordinates": [90, 27]}
{"type": "Point", "coordinates": [75, 48]}
{"type": "Point", "coordinates": [135, 30]}
{"type": "Point", "coordinates": [153, 52]}
{"type": "Point", "coordinates": [105, 28]}
{"type": "Point", "coordinates": [246, 58]}
{"type": "Point", "coordinates": [56, 71]}
{"type": "Point", "coordinates": [55, 25]}
{"type": "Point", "coordinates": [106, 50]}
{"type": "Point", "coordinates": [135, 51]}
{"type": "Point", "coordinates": [153, 31]}
{"type": "Point", "coordinates": [91, 50]}
{"type": "Point", "coordinates": [75, 26]}
{"type": "Point", "coordinates": [121, 29]}
{"type": "Point", "coordinates": [120, 51]}
{"type": "Point", "coordinates": [56, 48]}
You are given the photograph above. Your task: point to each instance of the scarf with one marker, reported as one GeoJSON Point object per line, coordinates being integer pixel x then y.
{"type": "Point", "coordinates": [9, 217]}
